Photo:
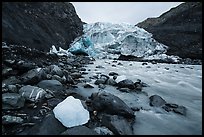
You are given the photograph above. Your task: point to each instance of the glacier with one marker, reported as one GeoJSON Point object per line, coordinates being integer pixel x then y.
{"type": "Point", "coordinates": [109, 40]}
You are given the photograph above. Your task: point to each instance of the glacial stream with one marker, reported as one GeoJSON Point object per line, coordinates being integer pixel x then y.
{"type": "Point", "coordinates": [176, 83]}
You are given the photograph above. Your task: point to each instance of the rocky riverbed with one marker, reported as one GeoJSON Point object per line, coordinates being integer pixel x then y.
{"type": "Point", "coordinates": [122, 97]}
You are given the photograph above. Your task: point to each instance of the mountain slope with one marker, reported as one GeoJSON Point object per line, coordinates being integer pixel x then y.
{"type": "Point", "coordinates": [40, 24]}
{"type": "Point", "coordinates": [180, 29]}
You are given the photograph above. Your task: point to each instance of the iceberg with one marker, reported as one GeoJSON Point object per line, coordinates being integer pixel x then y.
{"type": "Point", "coordinates": [71, 112]}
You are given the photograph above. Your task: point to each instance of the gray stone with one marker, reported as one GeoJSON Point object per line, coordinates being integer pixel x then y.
{"type": "Point", "coordinates": [126, 84]}
{"type": "Point", "coordinates": [110, 104]}
{"type": "Point", "coordinates": [32, 93]}
{"type": "Point", "coordinates": [55, 70]}
{"type": "Point", "coordinates": [117, 124]}
{"type": "Point", "coordinates": [79, 130]}
{"type": "Point", "coordinates": [113, 74]}
{"type": "Point", "coordinates": [7, 119]}
{"type": "Point", "coordinates": [33, 76]}
{"type": "Point", "coordinates": [76, 75]}
{"type": "Point", "coordinates": [88, 86]}
{"type": "Point", "coordinates": [12, 101]}
{"type": "Point", "coordinates": [12, 88]}
{"type": "Point", "coordinates": [53, 85]}
{"type": "Point", "coordinates": [111, 81]}
{"type": "Point", "coordinates": [180, 110]}
{"type": "Point", "coordinates": [11, 80]}
{"type": "Point", "coordinates": [103, 131]}
{"type": "Point", "coordinates": [49, 126]}
{"type": "Point", "coordinates": [156, 101]}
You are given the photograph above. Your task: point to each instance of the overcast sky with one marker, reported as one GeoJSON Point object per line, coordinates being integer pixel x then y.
{"type": "Point", "coordinates": [118, 12]}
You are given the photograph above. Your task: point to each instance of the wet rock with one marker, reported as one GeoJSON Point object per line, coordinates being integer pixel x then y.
{"type": "Point", "coordinates": [11, 80]}
{"type": "Point", "coordinates": [7, 119]}
{"type": "Point", "coordinates": [9, 62]}
{"type": "Point", "coordinates": [12, 101]}
{"type": "Point", "coordinates": [49, 126]}
{"type": "Point", "coordinates": [79, 130]}
{"type": "Point", "coordinates": [111, 81]}
{"type": "Point", "coordinates": [33, 76]}
{"type": "Point", "coordinates": [103, 131]}
{"type": "Point", "coordinates": [113, 74]}
{"type": "Point", "coordinates": [69, 79]}
{"type": "Point", "coordinates": [113, 65]}
{"type": "Point", "coordinates": [156, 101]}
{"type": "Point", "coordinates": [99, 66]}
{"type": "Point", "coordinates": [148, 67]}
{"type": "Point", "coordinates": [100, 81]}
{"type": "Point", "coordinates": [23, 66]}
{"type": "Point", "coordinates": [117, 124]}
{"type": "Point", "coordinates": [144, 63]}
{"type": "Point", "coordinates": [6, 72]}
{"type": "Point", "coordinates": [171, 105]}
{"type": "Point", "coordinates": [76, 75]}
{"type": "Point", "coordinates": [53, 102]}
{"type": "Point", "coordinates": [124, 89]}
{"type": "Point", "coordinates": [126, 84]}
{"type": "Point", "coordinates": [111, 104]}
{"type": "Point", "coordinates": [32, 93]}
{"type": "Point", "coordinates": [12, 88]}
{"type": "Point", "coordinates": [56, 77]}
{"type": "Point", "coordinates": [55, 70]}
{"type": "Point", "coordinates": [88, 86]}
{"type": "Point", "coordinates": [53, 85]}
{"type": "Point", "coordinates": [102, 86]}
{"type": "Point", "coordinates": [180, 110]}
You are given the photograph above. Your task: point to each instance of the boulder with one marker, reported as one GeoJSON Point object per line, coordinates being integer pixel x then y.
{"type": "Point", "coordinates": [12, 101]}
{"type": "Point", "coordinates": [156, 101]}
{"type": "Point", "coordinates": [48, 126]}
{"type": "Point", "coordinates": [55, 70]}
{"type": "Point", "coordinates": [79, 130]}
{"type": "Point", "coordinates": [110, 104]}
{"type": "Point", "coordinates": [53, 85]}
{"type": "Point", "coordinates": [117, 124]}
{"type": "Point", "coordinates": [32, 93]}
{"type": "Point", "coordinates": [7, 119]}
{"type": "Point", "coordinates": [11, 81]}
{"type": "Point", "coordinates": [126, 84]}
{"type": "Point", "coordinates": [33, 76]}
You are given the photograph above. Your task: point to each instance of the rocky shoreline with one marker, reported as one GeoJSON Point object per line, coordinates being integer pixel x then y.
{"type": "Point", "coordinates": [35, 82]}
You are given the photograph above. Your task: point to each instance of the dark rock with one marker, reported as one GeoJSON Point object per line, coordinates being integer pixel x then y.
{"type": "Point", "coordinates": [101, 80]}
{"type": "Point", "coordinates": [23, 66]}
{"type": "Point", "coordinates": [103, 131]}
{"type": "Point", "coordinates": [33, 76]}
{"type": "Point", "coordinates": [113, 74]}
{"type": "Point", "coordinates": [144, 63]}
{"type": "Point", "coordinates": [102, 86]}
{"type": "Point", "coordinates": [56, 77]}
{"type": "Point", "coordinates": [117, 124]}
{"type": "Point", "coordinates": [182, 27]}
{"type": "Point", "coordinates": [108, 103]}
{"type": "Point", "coordinates": [113, 65]}
{"type": "Point", "coordinates": [7, 119]}
{"type": "Point", "coordinates": [124, 89]}
{"type": "Point", "coordinates": [156, 101]}
{"type": "Point", "coordinates": [171, 105]}
{"type": "Point", "coordinates": [129, 58]}
{"type": "Point", "coordinates": [69, 79]}
{"type": "Point", "coordinates": [55, 70]}
{"type": "Point", "coordinates": [11, 80]}
{"type": "Point", "coordinates": [40, 25]}
{"type": "Point", "coordinates": [148, 67]}
{"type": "Point", "coordinates": [53, 85]}
{"type": "Point", "coordinates": [111, 81]}
{"type": "Point", "coordinates": [180, 110]}
{"type": "Point", "coordinates": [76, 75]}
{"type": "Point", "coordinates": [99, 66]}
{"type": "Point", "coordinates": [79, 130]}
{"type": "Point", "coordinates": [126, 84]}
{"type": "Point", "coordinates": [6, 72]}
{"type": "Point", "coordinates": [88, 86]}
{"type": "Point", "coordinates": [12, 101]}
{"type": "Point", "coordinates": [12, 88]}
{"type": "Point", "coordinates": [53, 102]}
{"type": "Point", "coordinates": [32, 93]}
{"type": "Point", "coordinates": [49, 126]}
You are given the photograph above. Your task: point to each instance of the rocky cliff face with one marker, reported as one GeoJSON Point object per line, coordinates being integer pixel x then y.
{"type": "Point", "coordinates": [40, 24]}
{"type": "Point", "coordinates": [180, 29]}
